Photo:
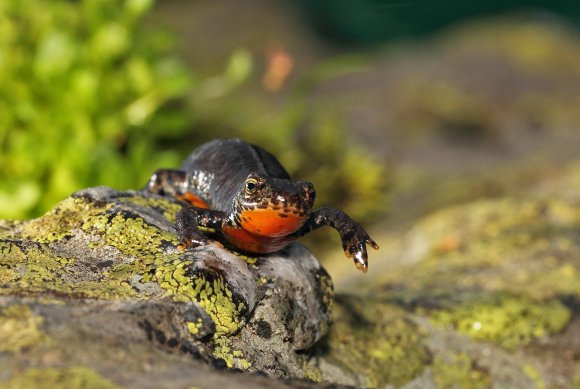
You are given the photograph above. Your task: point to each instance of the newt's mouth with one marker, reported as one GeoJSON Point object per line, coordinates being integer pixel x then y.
{"type": "Point", "coordinates": [272, 223]}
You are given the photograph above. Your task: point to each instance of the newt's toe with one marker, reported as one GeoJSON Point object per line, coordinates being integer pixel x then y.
{"type": "Point", "coordinates": [361, 262]}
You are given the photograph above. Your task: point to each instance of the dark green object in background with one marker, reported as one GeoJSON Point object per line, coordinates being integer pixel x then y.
{"type": "Point", "coordinates": [368, 22]}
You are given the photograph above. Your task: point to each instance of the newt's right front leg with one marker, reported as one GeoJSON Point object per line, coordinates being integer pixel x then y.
{"type": "Point", "coordinates": [188, 221]}
{"type": "Point", "coordinates": [353, 235]}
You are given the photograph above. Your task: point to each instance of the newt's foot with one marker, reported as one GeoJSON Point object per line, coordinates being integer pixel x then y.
{"type": "Point", "coordinates": [355, 247]}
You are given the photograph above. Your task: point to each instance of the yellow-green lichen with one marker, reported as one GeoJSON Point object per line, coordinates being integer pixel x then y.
{"type": "Point", "coordinates": [59, 222]}
{"type": "Point", "coordinates": [232, 358]}
{"type": "Point", "coordinates": [312, 372]}
{"type": "Point", "coordinates": [166, 206]}
{"type": "Point", "coordinates": [327, 291]}
{"type": "Point", "coordinates": [509, 321]}
{"type": "Point", "coordinates": [77, 377]}
{"type": "Point", "coordinates": [459, 371]}
{"type": "Point", "coordinates": [131, 235]}
{"type": "Point", "coordinates": [20, 328]}
{"type": "Point", "coordinates": [250, 260]}
{"type": "Point", "coordinates": [524, 247]}
{"type": "Point", "coordinates": [194, 327]}
{"type": "Point", "coordinates": [376, 341]}
{"type": "Point", "coordinates": [535, 376]}
{"type": "Point", "coordinates": [212, 294]}
{"type": "Point", "coordinates": [30, 262]}
{"type": "Point", "coordinates": [37, 268]}
{"type": "Point", "coordinates": [32, 267]}
{"type": "Point", "coordinates": [7, 228]}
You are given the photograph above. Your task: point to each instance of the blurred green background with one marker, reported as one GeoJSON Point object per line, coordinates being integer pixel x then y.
{"type": "Point", "coordinates": [93, 95]}
{"type": "Point", "coordinates": [390, 109]}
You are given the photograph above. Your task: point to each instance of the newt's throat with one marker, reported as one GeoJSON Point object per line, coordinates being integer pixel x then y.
{"type": "Point", "coordinates": [271, 223]}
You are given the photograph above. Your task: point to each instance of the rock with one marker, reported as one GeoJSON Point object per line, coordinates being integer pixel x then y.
{"type": "Point", "coordinates": [104, 265]}
{"type": "Point", "coordinates": [483, 294]}
{"type": "Point", "coordinates": [478, 295]}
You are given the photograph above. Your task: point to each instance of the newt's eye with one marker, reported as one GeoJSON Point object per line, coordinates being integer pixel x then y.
{"type": "Point", "coordinates": [251, 186]}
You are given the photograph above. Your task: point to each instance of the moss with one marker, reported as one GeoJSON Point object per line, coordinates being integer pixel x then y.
{"type": "Point", "coordinates": [459, 371]}
{"type": "Point", "coordinates": [20, 328]}
{"type": "Point", "coordinates": [506, 320]}
{"type": "Point", "coordinates": [106, 225]}
{"type": "Point", "coordinates": [375, 340]}
{"type": "Point", "coordinates": [77, 377]}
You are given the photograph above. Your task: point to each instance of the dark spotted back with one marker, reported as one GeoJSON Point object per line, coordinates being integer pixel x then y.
{"type": "Point", "coordinates": [218, 169]}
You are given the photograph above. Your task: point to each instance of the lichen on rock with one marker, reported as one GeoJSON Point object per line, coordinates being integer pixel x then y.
{"type": "Point", "coordinates": [20, 328]}
{"type": "Point", "coordinates": [485, 290]}
{"type": "Point", "coordinates": [105, 245]}
{"type": "Point", "coordinates": [76, 377]}
{"type": "Point", "coordinates": [509, 321]}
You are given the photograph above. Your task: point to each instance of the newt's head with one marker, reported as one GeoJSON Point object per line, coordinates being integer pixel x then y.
{"type": "Point", "coordinates": [272, 207]}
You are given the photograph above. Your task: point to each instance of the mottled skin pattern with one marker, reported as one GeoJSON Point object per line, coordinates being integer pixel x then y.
{"type": "Point", "coordinates": [243, 192]}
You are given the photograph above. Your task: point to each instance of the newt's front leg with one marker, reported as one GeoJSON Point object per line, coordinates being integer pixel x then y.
{"type": "Point", "coordinates": [188, 220]}
{"type": "Point", "coordinates": [176, 183]}
{"type": "Point", "coordinates": [168, 182]}
{"type": "Point", "coordinates": [353, 235]}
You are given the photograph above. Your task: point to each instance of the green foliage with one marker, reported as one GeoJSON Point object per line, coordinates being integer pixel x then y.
{"type": "Point", "coordinates": [84, 99]}
{"type": "Point", "coordinates": [91, 97]}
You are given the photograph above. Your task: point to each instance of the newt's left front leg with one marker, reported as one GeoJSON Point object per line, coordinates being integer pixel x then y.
{"type": "Point", "coordinates": [353, 235]}
{"type": "Point", "coordinates": [171, 182]}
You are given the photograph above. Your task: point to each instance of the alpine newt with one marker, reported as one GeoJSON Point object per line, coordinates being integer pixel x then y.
{"type": "Point", "coordinates": [242, 191]}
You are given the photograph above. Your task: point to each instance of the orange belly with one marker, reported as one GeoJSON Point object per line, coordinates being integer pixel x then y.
{"type": "Point", "coordinates": [249, 242]}
{"type": "Point", "coordinates": [192, 199]}
{"type": "Point", "coordinates": [270, 223]}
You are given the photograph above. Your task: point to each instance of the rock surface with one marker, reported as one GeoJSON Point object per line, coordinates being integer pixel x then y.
{"type": "Point", "coordinates": [492, 288]}
{"type": "Point", "coordinates": [105, 264]}
{"type": "Point", "coordinates": [485, 294]}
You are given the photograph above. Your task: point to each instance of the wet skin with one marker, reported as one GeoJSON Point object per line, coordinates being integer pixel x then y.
{"type": "Point", "coordinates": [244, 193]}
